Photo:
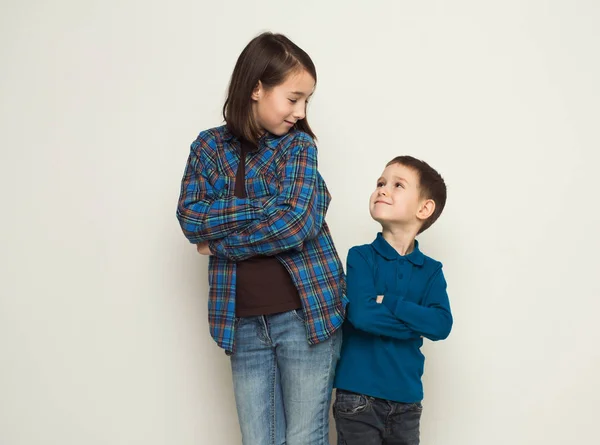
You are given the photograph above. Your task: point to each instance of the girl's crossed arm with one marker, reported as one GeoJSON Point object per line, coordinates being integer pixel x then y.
{"type": "Point", "coordinates": [294, 215]}
{"type": "Point", "coordinates": [205, 212]}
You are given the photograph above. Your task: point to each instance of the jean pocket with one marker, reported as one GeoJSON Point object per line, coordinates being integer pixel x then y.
{"type": "Point", "coordinates": [349, 404]}
{"type": "Point", "coordinates": [416, 407]}
{"type": "Point", "coordinates": [299, 315]}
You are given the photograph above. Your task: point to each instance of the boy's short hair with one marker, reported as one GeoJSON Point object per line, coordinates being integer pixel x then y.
{"type": "Point", "coordinates": [431, 185]}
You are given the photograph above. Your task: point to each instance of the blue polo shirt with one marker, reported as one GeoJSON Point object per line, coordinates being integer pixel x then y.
{"type": "Point", "coordinates": [381, 354]}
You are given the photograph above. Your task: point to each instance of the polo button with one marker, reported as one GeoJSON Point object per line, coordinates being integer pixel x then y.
{"type": "Point", "coordinates": [400, 276]}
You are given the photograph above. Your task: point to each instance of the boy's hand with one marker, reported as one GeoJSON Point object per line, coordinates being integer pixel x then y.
{"type": "Point", "coordinates": [203, 248]}
{"type": "Point", "coordinates": [379, 300]}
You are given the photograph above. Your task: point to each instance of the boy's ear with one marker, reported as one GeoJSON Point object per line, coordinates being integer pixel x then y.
{"type": "Point", "coordinates": [257, 91]}
{"type": "Point", "coordinates": [426, 209]}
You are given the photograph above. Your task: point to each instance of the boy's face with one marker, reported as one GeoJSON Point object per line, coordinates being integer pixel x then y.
{"type": "Point", "coordinates": [396, 199]}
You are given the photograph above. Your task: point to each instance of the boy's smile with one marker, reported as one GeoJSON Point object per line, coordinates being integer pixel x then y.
{"type": "Point", "coordinates": [396, 199]}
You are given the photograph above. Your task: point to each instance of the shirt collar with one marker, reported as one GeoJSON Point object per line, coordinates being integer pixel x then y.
{"type": "Point", "coordinates": [384, 249]}
{"type": "Point", "coordinates": [226, 134]}
{"type": "Point", "coordinates": [271, 141]}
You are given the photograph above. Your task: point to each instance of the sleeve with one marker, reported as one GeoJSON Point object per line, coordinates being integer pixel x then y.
{"type": "Point", "coordinates": [363, 311]}
{"type": "Point", "coordinates": [204, 211]}
{"type": "Point", "coordinates": [433, 318]}
{"type": "Point", "coordinates": [289, 218]}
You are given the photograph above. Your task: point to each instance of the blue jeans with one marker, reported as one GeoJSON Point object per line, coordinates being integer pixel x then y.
{"type": "Point", "coordinates": [282, 385]}
{"type": "Point", "coordinates": [365, 420]}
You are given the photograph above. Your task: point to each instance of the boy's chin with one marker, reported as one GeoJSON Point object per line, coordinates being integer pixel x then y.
{"type": "Point", "coordinates": [378, 218]}
{"type": "Point", "coordinates": [387, 223]}
{"type": "Point", "coordinates": [379, 214]}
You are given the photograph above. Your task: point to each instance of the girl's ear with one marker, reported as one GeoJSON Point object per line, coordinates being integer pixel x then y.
{"type": "Point", "coordinates": [257, 91]}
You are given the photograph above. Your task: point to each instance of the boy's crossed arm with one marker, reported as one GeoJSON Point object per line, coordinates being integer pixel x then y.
{"type": "Point", "coordinates": [388, 314]}
{"type": "Point", "coordinates": [433, 318]}
{"type": "Point", "coordinates": [363, 310]}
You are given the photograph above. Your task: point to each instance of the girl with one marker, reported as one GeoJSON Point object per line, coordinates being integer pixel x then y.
{"type": "Point", "coordinates": [253, 199]}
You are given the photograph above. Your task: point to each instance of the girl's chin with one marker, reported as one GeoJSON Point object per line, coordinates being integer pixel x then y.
{"type": "Point", "coordinates": [281, 131]}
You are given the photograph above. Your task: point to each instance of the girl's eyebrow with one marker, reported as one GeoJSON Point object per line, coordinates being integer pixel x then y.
{"type": "Point", "coordinates": [300, 93]}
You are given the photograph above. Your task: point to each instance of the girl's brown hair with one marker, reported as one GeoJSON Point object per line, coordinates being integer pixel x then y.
{"type": "Point", "coordinates": [268, 58]}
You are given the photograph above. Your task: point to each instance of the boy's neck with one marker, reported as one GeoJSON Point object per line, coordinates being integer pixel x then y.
{"type": "Point", "coordinates": [402, 241]}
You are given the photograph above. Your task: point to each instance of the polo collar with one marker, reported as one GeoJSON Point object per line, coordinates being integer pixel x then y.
{"type": "Point", "coordinates": [384, 249]}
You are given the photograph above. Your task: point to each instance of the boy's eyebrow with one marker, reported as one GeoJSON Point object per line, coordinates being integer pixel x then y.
{"type": "Point", "coordinates": [400, 178]}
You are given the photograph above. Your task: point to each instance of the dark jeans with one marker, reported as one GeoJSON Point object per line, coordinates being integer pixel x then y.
{"type": "Point", "coordinates": [365, 420]}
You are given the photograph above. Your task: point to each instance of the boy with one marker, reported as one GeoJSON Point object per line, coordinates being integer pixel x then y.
{"type": "Point", "coordinates": [397, 296]}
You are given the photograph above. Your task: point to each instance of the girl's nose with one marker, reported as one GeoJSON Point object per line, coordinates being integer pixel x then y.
{"type": "Point", "coordinates": [300, 112]}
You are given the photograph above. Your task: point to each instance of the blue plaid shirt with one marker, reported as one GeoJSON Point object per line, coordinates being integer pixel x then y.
{"type": "Point", "coordinates": [283, 215]}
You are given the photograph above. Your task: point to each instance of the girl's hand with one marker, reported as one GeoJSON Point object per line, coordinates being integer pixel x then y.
{"type": "Point", "coordinates": [203, 248]}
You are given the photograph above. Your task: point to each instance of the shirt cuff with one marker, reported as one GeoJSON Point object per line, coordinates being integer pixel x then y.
{"type": "Point", "coordinates": [216, 248]}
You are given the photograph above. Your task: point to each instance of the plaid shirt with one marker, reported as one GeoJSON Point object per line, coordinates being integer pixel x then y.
{"type": "Point", "coordinates": [283, 215]}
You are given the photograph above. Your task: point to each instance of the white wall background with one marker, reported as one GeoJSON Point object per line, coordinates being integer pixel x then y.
{"type": "Point", "coordinates": [103, 327]}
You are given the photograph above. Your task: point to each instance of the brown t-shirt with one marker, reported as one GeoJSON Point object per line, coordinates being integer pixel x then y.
{"type": "Point", "coordinates": [263, 284]}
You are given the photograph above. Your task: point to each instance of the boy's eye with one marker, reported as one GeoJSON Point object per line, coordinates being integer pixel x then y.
{"type": "Point", "coordinates": [380, 184]}
{"type": "Point", "coordinates": [293, 100]}
{"type": "Point", "coordinates": [399, 184]}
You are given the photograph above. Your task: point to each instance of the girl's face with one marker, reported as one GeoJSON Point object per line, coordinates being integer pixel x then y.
{"type": "Point", "coordinates": [277, 109]}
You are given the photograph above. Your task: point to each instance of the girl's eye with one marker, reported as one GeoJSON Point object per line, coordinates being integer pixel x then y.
{"type": "Point", "coordinates": [380, 184]}
{"type": "Point", "coordinates": [293, 100]}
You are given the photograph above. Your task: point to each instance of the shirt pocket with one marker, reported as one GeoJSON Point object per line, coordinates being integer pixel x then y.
{"type": "Point", "coordinates": [262, 186]}
{"type": "Point", "coordinates": [221, 185]}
